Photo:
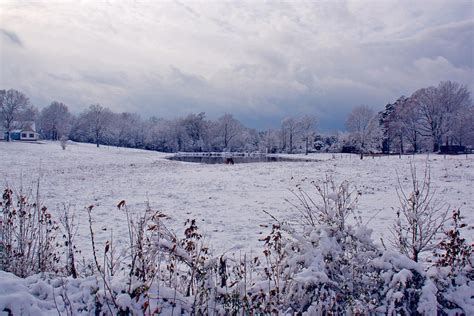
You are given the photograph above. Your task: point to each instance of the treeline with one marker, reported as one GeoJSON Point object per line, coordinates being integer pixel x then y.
{"type": "Point", "coordinates": [191, 133]}
{"type": "Point", "coordinates": [423, 121]}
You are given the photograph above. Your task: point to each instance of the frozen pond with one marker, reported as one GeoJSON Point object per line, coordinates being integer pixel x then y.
{"type": "Point", "coordinates": [238, 159]}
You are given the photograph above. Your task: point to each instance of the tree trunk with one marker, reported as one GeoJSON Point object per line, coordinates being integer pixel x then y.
{"type": "Point", "coordinates": [225, 139]}
{"type": "Point", "coordinates": [415, 255]}
{"type": "Point", "coordinates": [437, 143]}
{"type": "Point", "coordinates": [415, 145]}
{"type": "Point", "coordinates": [97, 138]}
{"type": "Point", "coordinates": [291, 143]}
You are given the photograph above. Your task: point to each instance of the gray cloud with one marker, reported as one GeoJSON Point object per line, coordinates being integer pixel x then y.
{"type": "Point", "coordinates": [260, 61]}
{"type": "Point", "coordinates": [12, 37]}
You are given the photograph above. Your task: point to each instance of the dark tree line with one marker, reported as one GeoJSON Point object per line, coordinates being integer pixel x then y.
{"type": "Point", "coordinates": [429, 118]}
{"type": "Point", "coordinates": [421, 122]}
{"type": "Point", "coordinates": [192, 133]}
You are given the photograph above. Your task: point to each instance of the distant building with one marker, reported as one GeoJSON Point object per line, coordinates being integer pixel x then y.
{"type": "Point", "coordinates": [26, 131]}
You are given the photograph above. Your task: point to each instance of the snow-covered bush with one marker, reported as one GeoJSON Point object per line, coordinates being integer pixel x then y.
{"type": "Point", "coordinates": [454, 251]}
{"type": "Point", "coordinates": [327, 266]}
{"type": "Point", "coordinates": [404, 288]}
{"type": "Point", "coordinates": [332, 266]}
{"type": "Point", "coordinates": [325, 262]}
{"type": "Point", "coordinates": [160, 265]}
{"type": "Point", "coordinates": [63, 142]}
{"type": "Point", "coordinates": [453, 273]}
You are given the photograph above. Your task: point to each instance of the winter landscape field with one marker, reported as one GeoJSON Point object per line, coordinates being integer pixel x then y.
{"type": "Point", "coordinates": [227, 201]}
{"type": "Point", "coordinates": [236, 157]}
{"type": "Point", "coordinates": [230, 203]}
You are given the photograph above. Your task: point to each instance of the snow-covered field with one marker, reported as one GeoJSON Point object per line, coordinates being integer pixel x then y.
{"type": "Point", "coordinates": [227, 201]}
{"type": "Point", "coordinates": [231, 206]}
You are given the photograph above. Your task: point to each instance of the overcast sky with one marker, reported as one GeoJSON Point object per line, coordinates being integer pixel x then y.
{"type": "Point", "coordinates": [260, 61]}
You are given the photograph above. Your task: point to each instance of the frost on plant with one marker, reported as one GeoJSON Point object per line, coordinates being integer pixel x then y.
{"type": "Point", "coordinates": [324, 263]}
{"type": "Point", "coordinates": [420, 216]}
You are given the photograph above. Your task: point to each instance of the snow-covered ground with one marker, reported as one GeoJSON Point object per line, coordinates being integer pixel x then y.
{"type": "Point", "coordinates": [227, 201]}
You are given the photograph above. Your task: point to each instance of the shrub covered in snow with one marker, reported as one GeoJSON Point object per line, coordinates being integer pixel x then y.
{"type": "Point", "coordinates": [63, 141]}
{"type": "Point", "coordinates": [332, 265]}
{"type": "Point", "coordinates": [453, 273]}
{"type": "Point", "coordinates": [324, 263]}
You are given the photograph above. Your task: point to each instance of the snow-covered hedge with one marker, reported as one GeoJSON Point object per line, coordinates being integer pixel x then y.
{"type": "Point", "coordinates": [326, 263]}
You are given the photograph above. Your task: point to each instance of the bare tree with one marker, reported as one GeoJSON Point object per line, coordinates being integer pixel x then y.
{"type": "Point", "coordinates": [454, 98]}
{"type": "Point", "coordinates": [409, 123]}
{"type": "Point", "coordinates": [28, 115]}
{"type": "Point", "coordinates": [419, 218]}
{"type": "Point", "coordinates": [192, 132]}
{"type": "Point", "coordinates": [98, 118]}
{"type": "Point", "coordinates": [228, 129]}
{"type": "Point", "coordinates": [401, 121]}
{"type": "Point", "coordinates": [12, 103]}
{"type": "Point", "coordinates": [247, 140]}
{"type": "Point", "coordinates": [308, 129]}
{"type": "Point", "coordinates": [55, 121]}
{"type": "Point", "coordinates": [269, 141]}
{"type": "Point", "coordinates": [365, 129]}
{"type": "Point", "coordinates": [463, 132]}
{"type": "Point", "coordinates": [431, 114]}
{"type": "Point", "coordinates": [126, 129]}
{"type": "Point", "coordinates": [289, 129]}
{"type": "Point", "coordinates": [438, 107]}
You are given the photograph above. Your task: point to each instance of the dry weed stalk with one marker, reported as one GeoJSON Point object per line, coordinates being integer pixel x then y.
{"type": "Point", "coordinates": [28, 234]}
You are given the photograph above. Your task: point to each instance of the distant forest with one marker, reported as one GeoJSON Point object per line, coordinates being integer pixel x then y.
{"type": "Point", "coordinates": [429, 118]}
